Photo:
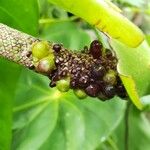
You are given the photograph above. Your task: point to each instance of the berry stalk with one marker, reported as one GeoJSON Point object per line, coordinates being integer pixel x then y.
{"type": "Point", "coordinates": [16, 46]}
{"type": "Point", "coordinates": [88, 73]}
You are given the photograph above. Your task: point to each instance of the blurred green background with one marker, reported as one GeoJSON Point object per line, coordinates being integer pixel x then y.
{"type": "Point", "coordinates": [36, 117]}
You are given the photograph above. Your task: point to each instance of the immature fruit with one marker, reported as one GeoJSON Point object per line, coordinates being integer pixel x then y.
{"type": "Point", "coordinates": [46, 65]}
{"type": "Point", "coordinates": [63, 85]}
{"type": "Point", "coordinates": [110, 77]}
{"type": "Point", "coordinates": [40, 49]}
{"type": "Point", "coordinates": [80, 93]}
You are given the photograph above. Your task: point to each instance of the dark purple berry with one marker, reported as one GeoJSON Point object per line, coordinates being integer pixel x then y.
{"type": "Point", "coordinates": [92, 90]}
{"type": "Point", "coordinates": [96, 49]}
{"type": "Point", "coordinates": [98, 71]}
{"type": "Point", "coordinates": [109, 91]}
{"type": "Point", "coordinates": [73, 83]}
{"type": "Point", "coordinates": [121, 92]}
{"type": "Point", "coordinates": [108, 53]}
{"type": "Point", "coordinates": [83, 81]}
{"type": "Point", "coordinates": [102, 97]}
{"type": "Point", "coordinates": [57, 47]}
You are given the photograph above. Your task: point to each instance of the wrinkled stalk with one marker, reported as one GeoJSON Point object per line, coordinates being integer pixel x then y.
{"type": "Point", "coordinates": [16, 46]}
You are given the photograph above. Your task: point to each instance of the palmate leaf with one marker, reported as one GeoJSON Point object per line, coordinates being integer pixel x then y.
{"type": "Point", "coordinates": [22, 15]}
{"type": "Point", "coordinates": [46, 119]}
{"type": "Point", "coordinates": [106, 17]}
{"type": "Point", "coordinates": [139, 130]}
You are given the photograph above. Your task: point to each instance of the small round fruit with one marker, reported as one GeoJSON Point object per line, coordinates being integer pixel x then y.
{"type": "Point", "coordinates": [92, 90]}
{"type": "Point", "coordinates": [121, 92]}
{"type": "Point", "coordinates": [63, 85]}
{"type": "Point", "coordinates": [96, 49]}
{"type": "Point", "coordinates": [98, 71]}
{"type": "Point", "coordinates": [40, 49]}
{"type": "Point", "coordinates": [108, 53]}
{"type": "Point", "coordinates": [80, 93]}
{"type": "Point", "coordinates": [83, 81]}
{"type": "Point", "coordinates": [46, 65]}
{"type": "Point", "coordinates": [57, 47]}
{"type": "Point", "coordinates": [109, 91]}
{"type": "Point", "coordinates": [102, 97]}
{"type": "Point", "coordinates": [110, 77]}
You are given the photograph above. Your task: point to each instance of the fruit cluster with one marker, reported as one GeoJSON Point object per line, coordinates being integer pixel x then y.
{"type": "Point", "coordinates": [92, 72]}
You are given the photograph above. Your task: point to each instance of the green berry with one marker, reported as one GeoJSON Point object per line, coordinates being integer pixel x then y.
{"type": "Point", "coordinates": [63, 85]}
{"type": "Point", "coordinates": [80, 93]}
{"type": "Point", "coordinates": [40, 49]}
{"type": "Point", "coordinates": [110, 77]}
{"type": "Point", "coordinates": [47, 64]}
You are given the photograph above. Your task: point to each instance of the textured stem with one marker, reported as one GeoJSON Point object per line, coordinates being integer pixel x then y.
{"type": "Point", "coordinates": [16, 46]}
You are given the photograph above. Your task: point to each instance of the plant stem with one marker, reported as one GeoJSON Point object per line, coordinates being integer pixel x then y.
{"type": "Point", "coordinates": [126, 119]}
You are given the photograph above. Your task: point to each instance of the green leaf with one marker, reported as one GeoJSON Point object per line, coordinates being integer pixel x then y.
{"type": "Point", "coordinates": [139, 132]}
{"type": "Point", "coordinates": [22, 15]}
{"type": "Point", "coordinates": [130, 86]}
{"type": "Point", "coordinates": [67, 33]}
{"type": "Point", "coordinates": [148, 39]}
{"type": "Point", "coordinates": [146, 102]}
{"type": "Point", "coordinates": [106, 17]}
{"type": "Point", "coordinates": [46, 119]}
{"type": "Point", "coordinates": [8, 73]}
{"type": "Point", "coordinates": [135, 64]}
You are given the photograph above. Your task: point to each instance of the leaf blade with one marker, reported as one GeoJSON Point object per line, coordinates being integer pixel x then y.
{"type": "Point", "coordinates": [102, 15]}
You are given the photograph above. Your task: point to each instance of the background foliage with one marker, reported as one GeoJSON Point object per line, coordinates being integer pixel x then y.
{"type": "Point", "coordinates": [34, 116]}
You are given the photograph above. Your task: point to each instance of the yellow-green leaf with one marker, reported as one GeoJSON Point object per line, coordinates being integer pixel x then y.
{"type": "Point", "coordinates": [134, 69]}
{"type": "Point", "coordinates": [132, 91]}
{"type": "Point", "coordinates": [105, 16]}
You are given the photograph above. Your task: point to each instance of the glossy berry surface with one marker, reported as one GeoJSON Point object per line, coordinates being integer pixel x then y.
{"type": "Point", "coordinates": [96, 49]}
{"type": "Point", "coordinates": [92, 90]}
{"type": "Point", "coordinates": [40, 49]}
{"type": "Point", "coordinates": [57, 47]}
{"type": "Point", "coordinates": [90, 73]}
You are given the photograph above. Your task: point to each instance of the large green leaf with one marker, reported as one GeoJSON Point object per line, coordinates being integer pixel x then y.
{"type": "Point", "coordinates": [106, 17]}
{"type": "Point", "coordinates": [22, 15]}
{"type": "Point", "coordinates": [134, 65]}
{"type": "Point", "coordinates": [18, 14]}
{"type": "Point", "coordinates": [67, 33]}
{"type": "Point", "coordinates": [139, 132]}
{"type": "Point", "coordinates": [8, 80]}
{"type": "Point", "coordinates": [46, 119]}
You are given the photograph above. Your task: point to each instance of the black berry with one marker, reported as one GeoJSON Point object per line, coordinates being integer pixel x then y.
{"type": "Point", "coordinates": [96, 49]}
{"type": "Point", "coordinates": [121, 92]}
{"type": "Point", "coordinates": [109, 91]}
{"type": "Point", "coordinates": [92, 90]}
{"type": "Point", "coordinates": [57, 47]}
{"type": "Point", "coordinates": [98, 71]}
